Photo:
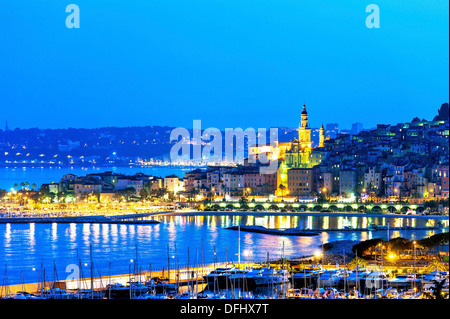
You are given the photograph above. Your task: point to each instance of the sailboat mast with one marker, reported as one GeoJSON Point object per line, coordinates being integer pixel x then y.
{"type": "Point", "coordinates": [239, 245]}
{"type": "Point", "coordinates": [92, 273]}
{"type": "Point", "coordinates": [282, 278]}
{"type": "Point", "coordinates": [345, 277]}
{"type": "Point", "coordinates": [168, 263]}
{"type": "Point", "coordinates": [188, 273]}
{"type": "Point", "coordinates": [357, 279]}
{"type": "Point", "coordinates": [135, 266]}
{"type": "Point", "coordinates": [109, 286]}
{"type": "Point", "coordinates": [196, 277]}
{"type": "Point", "coordinates": [215, 275]}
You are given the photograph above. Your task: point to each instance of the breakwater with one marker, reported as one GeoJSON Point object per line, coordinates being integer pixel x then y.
{"type": "Point", "coordinates": [314, 232]}
{"type": "Point", "coordinates": [101, 219]}
{"type": "Point", "coordinates": [286, 232]}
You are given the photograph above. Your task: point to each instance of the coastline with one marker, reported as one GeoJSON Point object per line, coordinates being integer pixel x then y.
{"type": "Point", "coordinates": [132, 218]}
{"type": "Point", "coordinates": [101, 219]}
{"type": "Point", "coordinates": [346, 214]}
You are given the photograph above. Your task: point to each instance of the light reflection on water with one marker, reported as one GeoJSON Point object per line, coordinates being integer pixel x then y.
{"type": "Point", "coordinates": [25, 246]}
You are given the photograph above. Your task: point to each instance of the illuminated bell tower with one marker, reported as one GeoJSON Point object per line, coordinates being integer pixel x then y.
{"type": "Point", "coordinates": [321, 136]}
{"type": "Point", "coordinates": [304, 131]}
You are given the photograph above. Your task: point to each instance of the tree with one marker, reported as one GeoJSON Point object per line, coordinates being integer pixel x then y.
{"type": "Point", "coordinates": [143, 194]}
{"type": "Point", "coordinates": [95, 194]}
{"type": "Point", "coordinates": [35, 196]}
{"type": "Point", "coordinates": [357, 262]}
{"type": "Point", "coordinates": [431, 204]}
{"type": "Point", "coordinates": [84, 196]}
{"type": "Point", "coordinates": [367, 247]}
{"type": "Point", "coordinates": [398, 244]}
{"type": "Point", "coordinates": [321, 198]}
{"type": "Point", "coordinates": [61, 196]}
{"type": "Point", "coordinates": [118, 196]}
{"type": "Point", "coordinates": [158, 193]}
{"type": "Point", "coordinates": [171, 196]}
{"type": "Point", "coordinates": [243, 201]}
{"type": "Point", "coordinates": [127, 193]}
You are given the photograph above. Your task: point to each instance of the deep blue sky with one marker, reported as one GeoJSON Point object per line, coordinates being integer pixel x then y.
{"type": "Point", "coordinates": [229, 63]}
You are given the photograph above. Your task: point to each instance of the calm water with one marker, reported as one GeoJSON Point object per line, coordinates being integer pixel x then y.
{"type": "Point", "coordinates": [23, 247]}
{"type": "Point", "coordinates": [41, 175]}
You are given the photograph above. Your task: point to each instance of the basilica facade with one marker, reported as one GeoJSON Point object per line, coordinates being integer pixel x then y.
{"type": "Point", "coordinates": [299, 154]}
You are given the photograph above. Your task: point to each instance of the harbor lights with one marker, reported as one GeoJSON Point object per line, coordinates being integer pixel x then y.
{"type": "Point", "coordinates": [392, 257]}
{"type": "Point", "coordinates": [324, 191]}
{"type": "Point", "coordinates": [248, 191]}
{"type": "Point", "coordinates": [318, 256]}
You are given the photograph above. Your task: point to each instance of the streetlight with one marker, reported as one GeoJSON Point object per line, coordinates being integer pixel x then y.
{"type": "Point", "coordinates": [396, 190]}
{"type": "Point", "coordinates": [319, 255]}
{"type": "Point", "coordinates": [324, 191]}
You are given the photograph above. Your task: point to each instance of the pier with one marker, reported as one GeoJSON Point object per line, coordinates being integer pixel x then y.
{"type": "Point", "coordinates": [314, 232]}
{"type": "Point", "coordinates": [284, 232]}
{"type": "Point", "coordinates": [100, 219]}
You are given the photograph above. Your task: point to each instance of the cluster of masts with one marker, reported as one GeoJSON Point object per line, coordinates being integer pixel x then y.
{"type": "Point", "coordinates": [268, 280]}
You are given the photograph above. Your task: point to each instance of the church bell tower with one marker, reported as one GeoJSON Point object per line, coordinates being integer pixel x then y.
{"type": "Point", "coordinates": [304, 130]}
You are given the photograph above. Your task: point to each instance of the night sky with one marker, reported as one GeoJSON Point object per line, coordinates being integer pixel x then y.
{"type": "Point", "coordinates": [229, 63]}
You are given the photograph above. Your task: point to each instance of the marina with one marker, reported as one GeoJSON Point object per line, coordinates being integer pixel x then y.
{"type": "Point", "coordinates": [244, 281]}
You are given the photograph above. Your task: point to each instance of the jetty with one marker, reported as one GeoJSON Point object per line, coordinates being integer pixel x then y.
{"type": "Point", "coordinates": [284, 232]}
{"type": "Point", "coordinates": [100, 219]}
{"type": "Point", "coordinates": [314, 232]}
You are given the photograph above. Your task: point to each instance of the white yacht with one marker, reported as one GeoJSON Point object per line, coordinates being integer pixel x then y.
{"type": "Point", "coordinates": [329, 278]}
{"type": "Point", "coordinates": [435, 275]}
{"type": "Point", "coordinates": [375, 280]}
{"type": "Point", "coordinates": [355, 276]}
{"type": "Point", "coordinates": [218, 278]}
{"type": "Point", "coordinates": [270, 276]}
{"type": "Point", "coordinates": [404, 281]}
{"type": "Point", "coordinates": [238, 279]}
{"type": "Point", "coordinates": [24, 295]}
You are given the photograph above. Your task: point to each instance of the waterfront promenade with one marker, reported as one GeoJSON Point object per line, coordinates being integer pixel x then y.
{"type": "Point", "coordinates": [101, 219]}
{"type": "Point", "coordinates": [136, 217]}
